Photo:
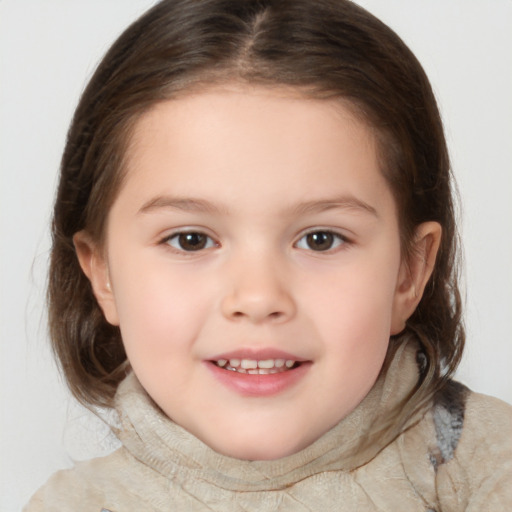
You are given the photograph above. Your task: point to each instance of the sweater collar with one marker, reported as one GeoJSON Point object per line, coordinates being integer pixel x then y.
{"type": "Point", "coordinates": [161, 444]}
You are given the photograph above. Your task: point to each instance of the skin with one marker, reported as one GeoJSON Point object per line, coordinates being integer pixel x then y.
{"type": "Point", "coordinates": [255, 170]}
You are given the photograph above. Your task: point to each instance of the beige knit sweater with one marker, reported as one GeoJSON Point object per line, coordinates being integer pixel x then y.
{"type": "Point", "coordinates": [454, 456]}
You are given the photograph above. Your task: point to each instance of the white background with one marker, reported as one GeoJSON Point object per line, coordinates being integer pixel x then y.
{"type": "Point", "coordinates": [48, 49]}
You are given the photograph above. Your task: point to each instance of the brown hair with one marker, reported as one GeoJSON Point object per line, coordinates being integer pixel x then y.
{"type": "Point", "coordinates": [327, 48]}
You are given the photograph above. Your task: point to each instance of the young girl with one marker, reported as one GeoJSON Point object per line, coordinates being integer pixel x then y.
{"type": "Point", "coordinates": [254, 262]}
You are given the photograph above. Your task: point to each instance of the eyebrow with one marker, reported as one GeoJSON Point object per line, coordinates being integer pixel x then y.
{"type": "Point", "coordinates": [347, 202]}
{"type": "Point", "coordinates": [179, 203]}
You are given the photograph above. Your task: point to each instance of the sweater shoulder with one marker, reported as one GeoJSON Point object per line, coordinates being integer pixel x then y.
{"type": "Point", "coordinates": [105, 483]}
{"type": "Point", "coordinates": [466, 421]}
{"type": "Point", "coordinates": [486, 436]}
{"type": "Point", "coordinates": [478, 475]}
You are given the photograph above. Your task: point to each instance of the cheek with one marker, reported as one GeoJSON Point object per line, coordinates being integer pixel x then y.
{"type": "Point", "coordinates": [351, 312]}
{"type": "Point", "coordinates": [354, 322]}
{"type": "Point", "coordinates": [354, 298]}
{"type": "Point", "coordinates": [160, 312]}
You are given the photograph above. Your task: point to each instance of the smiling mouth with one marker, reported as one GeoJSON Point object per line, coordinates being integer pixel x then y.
{"type": "Point", "coordinates": [257, 367]}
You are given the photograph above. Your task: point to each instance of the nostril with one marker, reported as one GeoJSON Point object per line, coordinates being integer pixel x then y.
{"type": "Point", "coordinates": [273, 315]}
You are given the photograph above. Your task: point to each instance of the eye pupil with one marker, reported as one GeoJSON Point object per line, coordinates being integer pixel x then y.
{"type": "Point", "coordinates": [320, 240]}
{"type": "Point", "coordinates": [192, 241]}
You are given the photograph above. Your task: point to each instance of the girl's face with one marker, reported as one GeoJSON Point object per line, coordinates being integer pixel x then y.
{"type": "Point", "coordinates": [253, 265]}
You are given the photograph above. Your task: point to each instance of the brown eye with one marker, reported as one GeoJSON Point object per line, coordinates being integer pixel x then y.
{"type": "Point", "coordinates": [320, 241]}
{"type": "Point", "coordinates": [190, 241]}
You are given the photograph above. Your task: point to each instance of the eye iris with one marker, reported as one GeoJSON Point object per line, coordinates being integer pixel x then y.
{"type": "Point", "coordinates": [192, 241]}
{"type": "Point", "coordinates": [320, 240]}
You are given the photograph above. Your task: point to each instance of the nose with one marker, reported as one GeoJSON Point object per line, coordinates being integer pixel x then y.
{"type": "Point", "coordinates": [258, 291]}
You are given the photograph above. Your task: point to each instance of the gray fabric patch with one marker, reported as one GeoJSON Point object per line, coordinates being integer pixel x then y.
{"type": "Point", "coordinates": [449, 406]}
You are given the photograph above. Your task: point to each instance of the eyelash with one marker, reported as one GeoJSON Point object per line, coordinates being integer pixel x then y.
{"type": "Point", "coordinates": [332, 236]}
{"type": "Point", "coordinates": [179, 237]}
{"type": "Point", "coordinates": [203, 241]}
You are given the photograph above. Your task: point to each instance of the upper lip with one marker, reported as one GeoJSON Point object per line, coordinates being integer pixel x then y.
{"type": "Point", "coordinates": [258, 354]}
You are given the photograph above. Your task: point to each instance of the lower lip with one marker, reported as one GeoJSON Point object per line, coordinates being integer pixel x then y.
{"type": "Point", "coordinates": [259, 385]}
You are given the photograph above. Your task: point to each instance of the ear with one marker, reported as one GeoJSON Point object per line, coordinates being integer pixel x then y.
{"type": "Point", "coordinates": [415, 273]}
{"type": "Point", "coordinates": [95, 267]}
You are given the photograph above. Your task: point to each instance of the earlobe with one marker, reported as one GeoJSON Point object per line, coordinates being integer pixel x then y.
{"type": "Point", "coordinates": [95, 267]}
{"type": "Point", "coordinates": [415, 273]}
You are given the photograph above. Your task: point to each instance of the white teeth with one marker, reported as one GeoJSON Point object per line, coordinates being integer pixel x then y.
{"type": "Point", "coordinates": [268, 363]}
{"type": "Point", "coordinates": [248, 364]}
{"type": "Point", "coordinates": [253, 366]}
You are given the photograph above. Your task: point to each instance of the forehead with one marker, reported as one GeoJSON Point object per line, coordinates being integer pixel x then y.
{"type": "Point", "coordinates": [244, 106]}
{"type": "Point", "coordinates": [237, 141]}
